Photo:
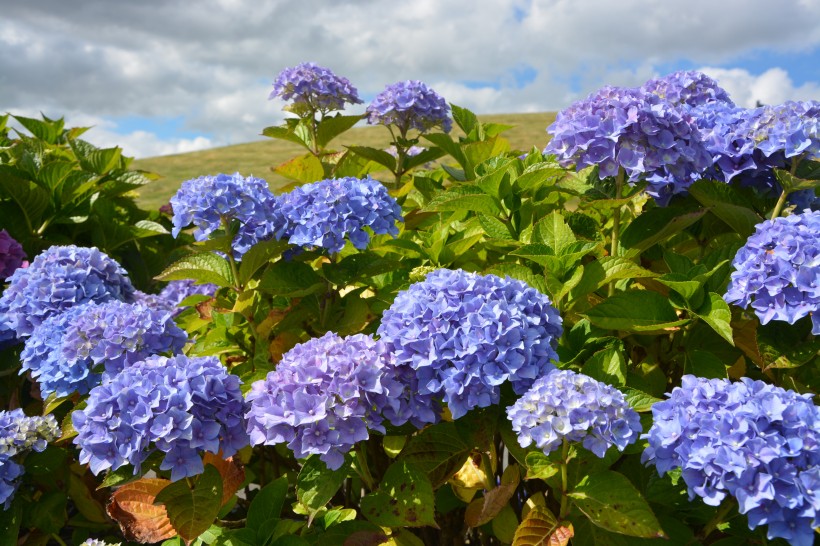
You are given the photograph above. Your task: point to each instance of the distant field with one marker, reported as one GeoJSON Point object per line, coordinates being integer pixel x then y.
{"type": "Point", "coordinates": [257, 158]}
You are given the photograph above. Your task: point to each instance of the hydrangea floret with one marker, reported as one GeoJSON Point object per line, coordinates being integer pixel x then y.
{"type": "Point", "coordinates": [12, 255]}
{"type": "Point", "coordinates": [325, 213]}
{"type": "Point", "coordinates": [627, 128]}
{"type": "Point", "coordinates": [18, 435]}
{"type": "Point", "coordinates": [465, 334]}
{"type": "Point", "coordinates": [97, 542]}
{"type": "Point", "coordinates": [409, 105]}
{"type": "Point", "coordinates": [568, 406]}
{"type": "Point", "coordinates": [59, 278]}
{"type": "Point", "coordinates": [76, 350]}
{"type": "Point", "coordinates": [213, 203]}
{"type": "Point", "coordinates": [777, 271]}
{"type": "Point", "coordinates": [324, 396]}
{"type": "Point", "coordinates": [181, 406]}
{"type": "Point", "coordinates": [175, 292]}
{"type": "Point", "coordinates": [314, 88]}
{"type": "Point", "coordinates": [688, 88]}
{"type": "Point", "coordinates": [756, 442]}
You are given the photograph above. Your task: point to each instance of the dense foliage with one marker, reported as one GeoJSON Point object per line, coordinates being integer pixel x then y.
{"type": "Point", "coordinates": [444, 342]}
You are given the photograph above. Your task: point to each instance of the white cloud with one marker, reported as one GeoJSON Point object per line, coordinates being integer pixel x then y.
{"type": "Point", "coordinates": [774, 86]}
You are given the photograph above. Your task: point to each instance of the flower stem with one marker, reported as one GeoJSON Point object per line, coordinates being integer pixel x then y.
{"type": "Point", "coordinates": [616, 220]}
{"type": "Point", "coordinates": [58, 540]}
{"type": "Point", "coordinates": [564, 480]}
{"type": "Point", "coordinates": [779, 206]}
{"type": "Point", "coordinates": [717, 519]}
{"type": "Point", "coordinates": [363, 469]}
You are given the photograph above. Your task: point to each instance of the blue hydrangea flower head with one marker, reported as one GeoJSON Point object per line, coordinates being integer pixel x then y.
{"type": "Point", "coordinates": [18, 435]}
{"type": "Point", "coordinates": [564, 405]}
{"type": "Point", "coordinates": [630, 129]}
{"type": "Point", "coordinates": [208, 202]}
{"type": "Point", "coordinates": [689, 88]}
{"type": "Point", "coordinates": [756, 442]}
{"type": "Point", "coordinates": [464, 334]}
{"type": "Point", "coordinates": [59, 278]}
{"type": "Point", "coordinates": [175, 292]}
{"type": "Point", "coordinates": [314, 88]}
{"type": "Point", "coordinates": [96, 542]}
{"type": "Point", "coordinates": [409, 105]}
{"type": "Point", "coordinates": [777, 271]}
{"type": "Point", "coordinates": [324, 396]}
{"type": "Point", "coordinates": [180, 406]}
{"type": "Point", "coordinates": [323, 214]}
{"type": "Point", "coordinates": [791, 129]}
{"type": "Point", "coordinates": [12, 255]}
{"type": "Point", "coordinates": [76, 350]}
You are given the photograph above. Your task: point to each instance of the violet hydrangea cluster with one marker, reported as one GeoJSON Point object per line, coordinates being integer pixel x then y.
{"type": "Point", "coordinates": [689, 88]}
{"type": "Point", "coordinates": [465, 334]}
{"type": "Point", "coordinates": [213, 203]}
{"type": "Point", "coordinates": [18, 435]}
{"type": "Point", "coordinates": [179, 405]}
{"type": "Point", "coordinates": [628, 128]}
{"type": "Point", "coordinates": [175, 292]}
{"type": "Point", "coordinates": [76, 350]}
{"type": "Point", "coordinates": [59, 278]}
{"type": "Point", "coordinates": [568, 406]}
{"type": "Point", "coordinates": [323, 397]}
{"type": "Point", "coordinates": [409, 105]}
{"type": "Point", "coordinates": [97, 542]}
{"type": "Point", "coordinates": [12, 255]}
{"type": "Point", "coordinates": [323, 214]}
{"type": "Point", "coordinates": [755, 442]}
{"type": "Point", "coordinates": [314, 88]}
{"type": "Point", "coordinates": [777, 271]}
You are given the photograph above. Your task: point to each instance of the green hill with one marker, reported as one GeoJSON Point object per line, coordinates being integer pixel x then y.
{"type": "Point", "coordinates": [257, 158]}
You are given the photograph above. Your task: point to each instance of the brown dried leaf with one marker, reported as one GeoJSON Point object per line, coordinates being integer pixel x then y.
{"type": "Point", "coordinates": [541, 528]}
{"type": "Point", "coordinates": [483, 510]}
{"type": "Point", "coordinates": [132, 507]}
{"type": "Point", "coordinates": [232, 472]}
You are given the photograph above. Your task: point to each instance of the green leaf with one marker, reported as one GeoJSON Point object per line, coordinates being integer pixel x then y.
{"type": "Point", "coordinates": [259, 255]}
{"type": "Point", "coordinates": [268, 503]}
{"type": "Point", "coordinates": [724, 202]}
{"type": "Point", "coordinates": [539, 466]}
{"type": "Point", "coordinates": [716, 313]}
{"type": "Point", "coordinates": [331, 127]}
{"type": "Point", "coordinates": [404, 499]}
{"type": "Point", "coordinates": [705, 364]}
{"type": "Point", "coordinates": [635, 311]}
{"type": "Point", "coordinates": [291, 279]}
{"type": "Point", "coordinates": [792, 183]}
{"type": "Point", "coordinates": [47, 130]}
{"type": "Point", "coordinates": [446, 143]}
{"type": "Point", "coordinates": [553, 231]}
{"type": "Point", "coordinates": [611, 502]}
{"type": "Point", "coordinates": [438, 451]}
{"type": "Point", "coordinates": [639, 400]}
{"type": "Point", "coordinates": [48, 514]}
{"type": "Point", "coordinates": [691, 291]}
{"type": "Point", "coordinates": [538, 253]}
{"type": "Point", "coordinates": [492, 173]}
{"type": "Point", "coordinates": [317, 484]}
{"type": "Point", "coordinates": [521, 273]}
{"type": "Point", "coordinates": [31, 198]}
{"type": "Point", "coordinates": [606, 269]}
{"type": "Point", "coordinates": [284, 133]}
{"type": "Point", "coordinates": [607, 366]}
{"type": "Point", "coordinates": [465, 119]}
{"type": "Point", "coordinates": [653, 226]}
{"type": "Point", "coordinates": [542, 528]}
{"type": "Point", "coordinates": [464, 198]}
{"type": "Point", "coordinates": [305, 168]}
{"type": "Point", "coordinates": [374, 154]}
{"type": "Point", "coordinates": [102, 161]}
{"type": "Point", "coordinates": [536, 176]}
{"type": "Point", "coordinates": [192, 511]}
{"type": "Point", "coordinates": [494, 228]}
{"type": "Point", "coordinates": [10, 523]}
{"type": "Point", "coordinates": [205, 267]}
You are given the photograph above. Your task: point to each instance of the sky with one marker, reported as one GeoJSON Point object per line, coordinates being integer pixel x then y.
{"type": "Point", "coordinates": [159, 77]}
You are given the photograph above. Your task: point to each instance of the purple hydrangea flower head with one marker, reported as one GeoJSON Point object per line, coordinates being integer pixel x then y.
{"type": "Point", "coordinates": [627, 128]}
{"type": "Point", "coordinates": [180, 406]}
{"type": "Point", "coordinates": [689, 88]}
{"type": "Point", "coordinates": [76, 350]}
{"type": "Point", "coordinates": [96, 542]}
{"type": "Point", "coordinates": [323, 397]}
{"type": "Point", "coordinates": [464, 334]}
{"type": "Point", "coordinates": [564, 405]}
{"type": "Point", "coordinates": [323, 214]}
{"type": "Point", "coordinates": [19, 434]}
{"type": "Point", "coordinates": [210, 202]}
{"type": "Point", "coordinates": [59, 278]}
{"type": "Point", "coordinates": [756, 442]}
{"type": "Point", "coordinates": [175, 292]}
{"type": "Point", "coordinates": [314, 88]}
{"type": "Point", "coordinates": [777, 271]}
{"type": "Point", "coordinates": [791, 129]}
{"type": "Point", "coordinates": [409, 105]}
{"type": "Point", "coordinates": [804, 200]}
{"type": "Point", "coordinates": [12, 255]}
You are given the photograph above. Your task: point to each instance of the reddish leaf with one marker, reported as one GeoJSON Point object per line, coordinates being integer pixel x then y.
{"type": "Point", "coordinates": [541, 528]}
{"type": "Point", "coordinates": [132, 507]}
{"type": "Point", "coordinates": [232, 472]}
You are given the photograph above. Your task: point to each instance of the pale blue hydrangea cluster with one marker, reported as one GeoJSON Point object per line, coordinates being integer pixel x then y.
{"type": "Point", "coordinates": [97, 542]}
{"type": "Point", "coordinates": [689, 88]}
{"type": "Point", "coordinates": [756, 442]}
{"type": "Point", "coordinates": [314, 88]}
{"type": "Point", "coordinates": [175, 292]}
{"type": "Point", "coordinates": [627, 128]}
{"type": "Point", "coordinates": [323, 397]}
{"type": "Point", "coordinates": [59, 278]}
{"type": "Point", "coordinates": [465, 334]}
{"type": "Point", "coordinates": [19, 434]}
{"type": "Point", "coordinates": [568, 406]}
{"type": "Point", "coordinates": [12, 255]}
{"type": "Point", "coordinates": [409, 105]}
{"type": "Point", "coordinates": [178, 405]}
{"type": "Point", "coordinates": [87, 344]}
{"type": "Point", "coordinates": [213, 203]}
{"type": "Point", "coordinates": [323, 214]}
{"type": "Point", "coordinates": [777, 271]}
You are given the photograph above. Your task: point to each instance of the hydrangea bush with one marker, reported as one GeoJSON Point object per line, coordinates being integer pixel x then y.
{"type": "Point", "coordinates": [539, 353]}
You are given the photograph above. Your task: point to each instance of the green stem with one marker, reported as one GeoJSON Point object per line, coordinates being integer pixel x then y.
{"type": "Point", "coordinates": [717, 519]}
{"type": "Point", "coordinates": [234, 270]}
{"type": "Point", "coordinates": [564, 481]}
{"type": "Point", "coordinates": [58, 539]}
{"type": "Point", "coordinates": [779, 206]}
{"type": "Point", "coordinates": [616, 220]}
{"type": "Point", "coordinates": [363, 469]}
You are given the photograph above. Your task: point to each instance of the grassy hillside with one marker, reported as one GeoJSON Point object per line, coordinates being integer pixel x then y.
{"type": "Point", "coordinates": [257, 158]}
